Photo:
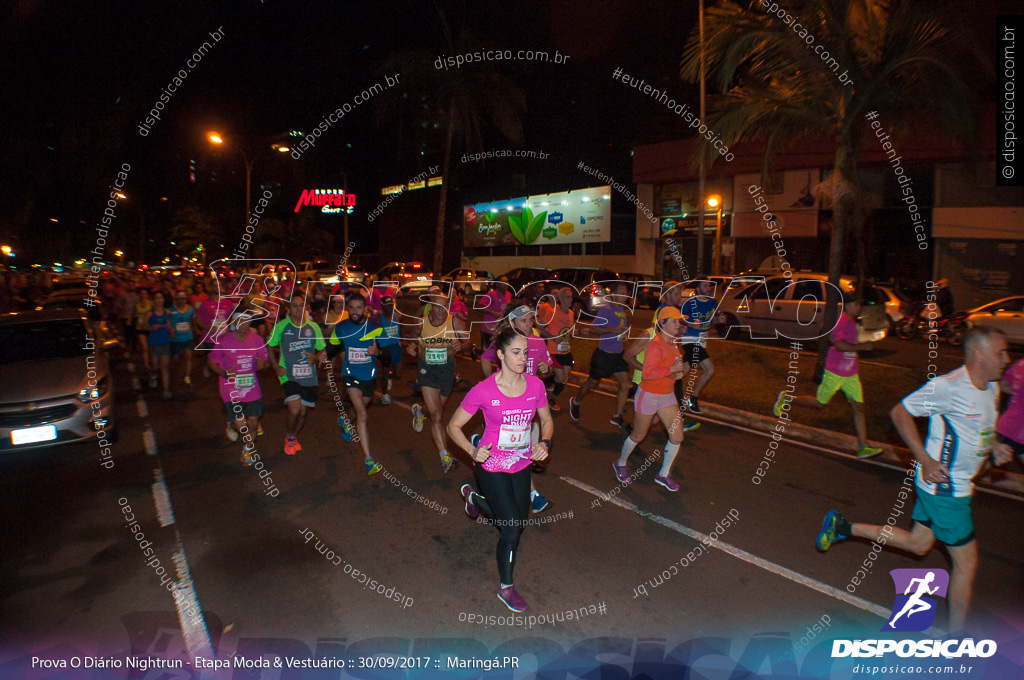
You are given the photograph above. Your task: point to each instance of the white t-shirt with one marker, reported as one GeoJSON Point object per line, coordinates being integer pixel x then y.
{"type": "Point", "coordinates": [961, 428]}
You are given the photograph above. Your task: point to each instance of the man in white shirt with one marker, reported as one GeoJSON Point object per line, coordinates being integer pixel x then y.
{"type": "Point", "coordinates": [962, 408]}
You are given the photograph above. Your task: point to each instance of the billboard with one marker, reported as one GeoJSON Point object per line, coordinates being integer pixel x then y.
{"type": "Point", "coordinates": [577, 216]}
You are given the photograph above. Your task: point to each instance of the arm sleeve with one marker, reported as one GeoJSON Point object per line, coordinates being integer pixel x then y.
{"type": "Point", "coordinates": [933, 397]}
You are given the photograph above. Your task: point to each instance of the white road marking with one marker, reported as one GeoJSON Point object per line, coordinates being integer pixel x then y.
{"type": "Point", "coordinates": [149, 439]}
{"type": "Point", "coordinates": [162, 500]}
{"type": "Point", "coordinates": [806, 581]}
{"type": "Point", "coordinates": [141, 406]}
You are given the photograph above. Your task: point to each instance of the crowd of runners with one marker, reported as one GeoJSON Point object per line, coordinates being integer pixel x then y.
{"type": "Point", "coordinates": [525, 355]}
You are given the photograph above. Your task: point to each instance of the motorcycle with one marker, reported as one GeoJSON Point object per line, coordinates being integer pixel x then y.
{"type": "Point", "coordinates": [923, 320]}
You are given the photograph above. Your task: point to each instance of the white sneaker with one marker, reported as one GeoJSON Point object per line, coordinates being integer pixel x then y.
{"type": "Point", "coordinates": [386, 399]}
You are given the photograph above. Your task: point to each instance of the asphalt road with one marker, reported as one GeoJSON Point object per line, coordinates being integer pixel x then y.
{"type": "Point", "coordinates": [75, 577]}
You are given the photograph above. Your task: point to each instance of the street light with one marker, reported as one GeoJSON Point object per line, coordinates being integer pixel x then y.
{"type": "Point", "coordinates": [716, 202]}
{"type": "Point", "coordinates": [217, 139]}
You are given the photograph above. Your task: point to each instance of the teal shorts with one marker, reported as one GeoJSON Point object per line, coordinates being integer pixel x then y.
{"type": "Point", "coordinates": [949, 517]}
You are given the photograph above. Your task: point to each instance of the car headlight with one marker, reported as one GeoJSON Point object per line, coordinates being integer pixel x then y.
{"type": "Point", "coordinates": [94, 392]}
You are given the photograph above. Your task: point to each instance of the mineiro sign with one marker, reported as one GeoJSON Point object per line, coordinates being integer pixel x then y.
{"type": "Point", "coordinates": [332, 200]}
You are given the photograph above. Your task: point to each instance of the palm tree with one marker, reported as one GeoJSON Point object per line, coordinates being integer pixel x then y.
{"type": "Point", "coordinates": [774, 88]}
{"type": "Point", "coordinates": [459, 102]}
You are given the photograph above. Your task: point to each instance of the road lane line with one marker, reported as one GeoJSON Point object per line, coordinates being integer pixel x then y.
{"type": "Point", "coordinates": [778, 570]}
{"type": "Point", "coordinates": [162, 500]}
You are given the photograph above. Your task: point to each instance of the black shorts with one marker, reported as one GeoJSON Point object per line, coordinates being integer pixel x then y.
{"type": "Point", "coordinates": [1018, 447]}
{"type": "Point", "coordinates": [306, 393]}
{"type": "Point", "coordinates": [248, 409]}
{"type": "Point", "coordinates": [564, 360]}
{"type": "Point", "coordinates": [364, 386]}
{"type": "Point", "coordinates": [606, 364]}
{"type": "Point", "coordinates": [694, 353]}
{"type": "Point", "coordinates": [440, 377]}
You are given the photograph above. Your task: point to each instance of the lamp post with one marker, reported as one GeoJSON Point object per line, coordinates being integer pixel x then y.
{"type": "Point", "coordinates": [700, 187]}
{"type": "Point", "coordinates": [716, 202]}
{"type": "Point", "coordinates": [216, 138]}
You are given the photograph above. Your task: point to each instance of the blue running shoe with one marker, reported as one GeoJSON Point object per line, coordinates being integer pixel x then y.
{"type": "Point", "coordinates": [538, 503]}
{"type": "Point", "coordinates": [829, 533]}
{"type": "Point", "coordinates": [347, 431]}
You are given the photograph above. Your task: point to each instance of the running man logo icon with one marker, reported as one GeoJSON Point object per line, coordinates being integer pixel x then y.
{"type": "Point", "coordinates": [914, 610]}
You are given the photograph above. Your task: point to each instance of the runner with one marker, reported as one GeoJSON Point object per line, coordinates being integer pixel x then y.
{"type": "Point", "coordinates": [439, 334]}
{"type": "Point", "coordinates": [183, 323]}
{"type": "Point", "coordinates": [140, 316]}
{"type": "Point", "coordinates": [160, 334]}
{"type": "Point", "coordinates": [355, 336]}
{"type": "Point", "coordinates": [556, 323]}
{"type": "Point", "coordinates": [1010, 428]}
{"type": "Point", "coordinates": [509, 399]}
{"type": "Point", "coordinates": [390, 357]}
{"type": "Point", "coordinates": [607, 361]}
{"type": "Point", "coordinates": [698, 313]}
{"type": "Point", "coordinates": [198, 296]}
{"type": "Point", "coordinates": [538, 362]}
{"type": "Point", "coordinates": [292, 343]}
{"type": "Point", "coordinates": [841, 374]}
{"type": "Point", "coordinates": [662, 366]}
{"type": "Point", "coordinates": [495, 300]}
{"type": "Point", "coordinates": [634, 354]}
{"type": "Point", "coordinates": [961, 409]}
{"type": "Point", "coordinates": [237, 358]}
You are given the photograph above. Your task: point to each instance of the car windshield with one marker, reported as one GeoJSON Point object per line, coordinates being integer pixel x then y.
{"type": "Point", "coordinates": [59, 339]}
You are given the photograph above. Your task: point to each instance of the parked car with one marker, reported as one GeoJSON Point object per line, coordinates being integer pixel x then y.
{"type": "Point", "coordinates": [793, 307]}
{"type": "Point", "coordinates": [647, 290]}
{"type": "Point", "coordinates": [897, 303]}
{"type": "Point", "coordinates": [410, 276]}
{"type": "Point", "coordinates": [72, 399]}
{"type": "Point", "coordinates": [1006, 314]}
{"type": "Point", "coordinates": [470, 281]}
{"type": "Point", "coordinates": [592, 285]}
{"type": "Point", "coordinates": [524, 276]}
{"type": "Point", "coordinates": [315, 270]}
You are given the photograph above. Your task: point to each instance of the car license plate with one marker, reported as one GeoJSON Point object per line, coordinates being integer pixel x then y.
{"type": "Point", "coordinates": [31, 435]}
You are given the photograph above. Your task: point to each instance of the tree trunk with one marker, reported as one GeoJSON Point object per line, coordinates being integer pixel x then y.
{"type": "Point", "coordinates": [443, 204]}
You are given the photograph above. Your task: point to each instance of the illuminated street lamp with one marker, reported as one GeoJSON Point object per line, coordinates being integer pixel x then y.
{"type": "Point", "coordinates": [218, 139]}
{"type": "Point", "coordinates": [716, 202]}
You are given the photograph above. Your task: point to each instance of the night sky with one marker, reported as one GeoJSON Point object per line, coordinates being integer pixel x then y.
{"type": "Point", "coordinates": [77, 84]}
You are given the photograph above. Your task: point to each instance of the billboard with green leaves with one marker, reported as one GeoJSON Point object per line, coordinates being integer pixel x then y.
{"type": "Point", "coordinates": [577, 216]}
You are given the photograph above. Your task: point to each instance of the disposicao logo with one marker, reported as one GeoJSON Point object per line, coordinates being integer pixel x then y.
{"type": "Point", "coordinates": [916, 593]}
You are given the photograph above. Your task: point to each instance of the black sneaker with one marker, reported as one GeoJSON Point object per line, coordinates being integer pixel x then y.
{"type": "Point", "coordinates": [574, 409]}
{"type": "Point", "coordinates": [693, 405]}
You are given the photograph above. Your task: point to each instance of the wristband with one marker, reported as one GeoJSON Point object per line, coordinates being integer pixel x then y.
{"type": "Point", "coordinates": [546, 443]}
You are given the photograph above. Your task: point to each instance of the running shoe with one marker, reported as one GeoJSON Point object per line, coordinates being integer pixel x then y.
{"type": "Point", "coordinates": [666, 482]}
{"type": "Point", "coordinates": [372, 467]}
{"type": "Point", "coordinates": [188, 380]}
{"type": "Point", "coordinates": [555, 408]}
{"type": "Point", "coordinates": [693, 405]}
{"type": "Point", "coordinates": [689, 425]}
{"type": "Point", "coordinates": [246, 458]}
{"type": "Point", "coordinates": [780, 401]}
{"type": "Point", "coordinates": [538, 503]}
{"type": "Point", "coordinates": [868, 452]}
{"type": "Point", "coordinates": [621, 472]}
{"type": "Point", "coordinates": [417, 417]}
{"type": "Point", "coordinates": [347, 431]}
{"type": "Point", "coordinates": [231, 433]}
{"type": "Point", "coordinates": [574, 409]}
{"type": "Point", "coordinates": [447, 462]}
{"type": "Point", "coordinates": [289, 445]}
{"type": "Point", "coordinates": [467, 494]}
{"type": "Point", "coordinates": [259, 429]}
{"type": "Point", "coordinates": [621, 423]}
{"type": "Point", "coordinates": [385, 399]}
{"type": "Point", "coordinates": [829, 533]}
{"type": "Point", "coordinates": [512, 599]}
{"type": "Point", "coordinates": [296, 446]}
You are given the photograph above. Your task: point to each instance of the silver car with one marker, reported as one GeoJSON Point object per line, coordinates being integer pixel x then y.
{"type": "Point", "coordinates": [1006, 314]}
{"type": "Point", "coordinates": [55, 380]}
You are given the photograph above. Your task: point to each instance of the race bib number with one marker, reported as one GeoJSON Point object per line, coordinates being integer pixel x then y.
{"type": "Point", "coordinates": [182, 327]}
{"type": "Point", "coordinates": [302, 371]}
{"type": "Point", "coordinates": [391, 331]}
{"type": "Point", "coordinates": [245, 382]}
{"type": "Point", "coordinates": [514, 437]}
{"type": "Point", "coordinates": [986, 439]}
{"type": "Point", "coordinates": [436, 356]}
{"type": "Point", "coordinates": [358, 355]}
{"type": "Point", "coordinates": [563, 347]}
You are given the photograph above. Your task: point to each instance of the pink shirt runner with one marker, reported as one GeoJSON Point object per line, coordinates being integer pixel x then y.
{"type": "Point", "coordinates": [1011, 422]}
{"type": "Point", "coordinates": [536, 353]}
{"type": "Point", "coordinates": [494, 305]}
{"type": "Point", "coordinates": [239, 357]}
{"type": "Point", "coordinates": [507, 421]}
{"type": "Point", "coordinates": [843, 364]}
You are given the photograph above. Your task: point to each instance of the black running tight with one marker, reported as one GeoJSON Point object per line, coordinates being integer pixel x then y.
{"type": "Point", "coordinates": [506, 500]}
